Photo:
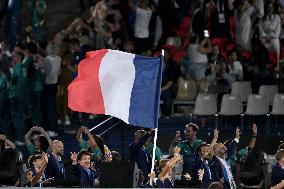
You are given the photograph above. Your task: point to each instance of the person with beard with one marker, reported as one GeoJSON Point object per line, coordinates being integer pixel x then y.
{"type": "Point", "coordinates": [82, 162]}
{"type": "Point", "coordinates": [55, 167]}
{"type": "Point", "coordinates": [219, 167]}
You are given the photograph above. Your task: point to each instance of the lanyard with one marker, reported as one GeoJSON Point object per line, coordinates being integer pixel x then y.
{"type": "Point", "coordinates": [218, 6]}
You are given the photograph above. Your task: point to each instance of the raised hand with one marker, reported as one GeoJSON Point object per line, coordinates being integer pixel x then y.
{"type": "Point", "coordinates": [44, 157]}
{"type": "Point", "coordinates": [2, 137]}
{"type": "Point", "coordinates": [74, 156]}
{"type": "Point", "coordinates": [254, 129]}
{"type": "Point", "coordinates": [85, 129]}
{"type": "Point", "coordinates": [216, 134]}
{"type": "Point", "coordinates": [238, 133]}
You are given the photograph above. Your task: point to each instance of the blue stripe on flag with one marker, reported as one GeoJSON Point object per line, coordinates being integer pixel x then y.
{"type": "Point", "coordinates": [144, 102]}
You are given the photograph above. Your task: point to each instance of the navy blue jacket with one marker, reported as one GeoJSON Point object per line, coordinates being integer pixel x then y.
{"type": "Point", "coordinates": [207, 177]}
{"type": "Point", "coordinates": [166, 184]}
{"type": "Point", "coordinates": [277, 174]}
{"type": "Point", "coordinates": [216, 166]}
{"type": "Point", "coordinates": [138, 154]}
{"type": "Point", "coordinates": [216, 169]}
{"type": "Point", "coordinates": [54, 169]}
{"type": "Point", "coordinates": [86, 180]}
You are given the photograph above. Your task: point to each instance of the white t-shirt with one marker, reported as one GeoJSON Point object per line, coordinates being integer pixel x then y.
{"type": "Point", "coordinates": [53, 65]}
{"type": "Point", "coordinates": [237, 69]}
{"type": "Point", "coordinates": [141, 27]}
{"type": "Point", "coordinates": [195, 56]}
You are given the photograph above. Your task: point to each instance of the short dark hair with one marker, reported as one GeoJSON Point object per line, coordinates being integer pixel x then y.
{"type": "Point", "coordinates": [33, 158]}
{"type": "Point", "coordinates": [20, 54]}
{"type": "Point", "coordinates": [198, 149]}
{"type": "Point", "coordinates": [75, 41]}
{"type": "Point", "coordinates": [32, 47]}
{"type": "Point", "coordinates": [81, 153]}
{"type": "Point", "coordinates": [194, 127]}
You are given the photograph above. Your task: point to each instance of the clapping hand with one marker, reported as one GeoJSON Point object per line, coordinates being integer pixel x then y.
{"type": "Point", "coordinates": [187, 176]}
{"type": "Point", "coordinates": [200, 174]}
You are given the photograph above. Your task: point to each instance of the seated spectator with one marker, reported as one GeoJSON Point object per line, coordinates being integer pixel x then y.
{"type": "Point", "coordinates": [137, 151]}
{"type": "Point", "coordinates": [88, 175]}
{"type": "Point", "coordinates": [41, 143]}
{"type": "Point", "coordinates": [235, 66]}
{"type": "Point", "coordinates": [278, 169]}
{"type": "Point", "coordinates": [35, 174]}
{"type": "Point", "coordinates": [95, 145]}
{"type": "Point", "coordinates": [55, 168]}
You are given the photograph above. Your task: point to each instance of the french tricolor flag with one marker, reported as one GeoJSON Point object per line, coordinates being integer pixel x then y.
{"type": "Point", "coordinates": [123, 85]}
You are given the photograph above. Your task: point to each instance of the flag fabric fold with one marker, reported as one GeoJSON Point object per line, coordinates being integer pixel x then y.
{"type": "Point", "coordinates": [123, 85]}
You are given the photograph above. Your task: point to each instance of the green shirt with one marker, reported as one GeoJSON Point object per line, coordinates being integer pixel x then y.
{"type": "Point", "coordinates": [18, 78]}
{"type": "Point", "coordinates": [3, 86]}
{"type": "Point", "coordinates": [242, 154]}
{"type": "Point", "coordinates": [149, 151]}
{"type": "Point", "coordinates": [31, 148]}
{"type": "Point", "coordinates": [188, 150]}
{"type": "Point", "coordinates": [96, 153]}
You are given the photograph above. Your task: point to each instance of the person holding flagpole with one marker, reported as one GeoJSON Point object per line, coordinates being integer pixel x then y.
{"type": "Point", "coordinates": [137, 151]}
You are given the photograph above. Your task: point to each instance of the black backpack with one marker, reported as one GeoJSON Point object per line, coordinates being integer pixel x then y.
{"type": "Point", "coordinates": [251, 170]}
{"type": "Point", "coordinates": [10, 165]}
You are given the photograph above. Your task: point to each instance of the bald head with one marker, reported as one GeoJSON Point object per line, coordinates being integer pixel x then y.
{"type": "Point", "coordinates": [220, 150]}
{"type": "Point", "coordinates": [58, 147]}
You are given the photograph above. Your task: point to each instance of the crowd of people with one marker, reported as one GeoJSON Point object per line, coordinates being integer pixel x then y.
{"type": "Point", "coordinates": [219, 42]}
{"type": "Point", "coordinates": [216, 42]}
{"type": "Point", "coordinates": [214, 165]}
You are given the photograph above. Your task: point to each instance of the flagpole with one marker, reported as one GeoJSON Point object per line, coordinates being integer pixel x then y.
{"type": "Point", "coordinates": [156, 129]}
{"type": "Point", "coordinates": [100, 124]}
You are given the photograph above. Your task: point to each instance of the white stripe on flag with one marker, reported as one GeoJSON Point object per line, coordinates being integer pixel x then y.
{"type": "Point", "coordinates": [116, 76]}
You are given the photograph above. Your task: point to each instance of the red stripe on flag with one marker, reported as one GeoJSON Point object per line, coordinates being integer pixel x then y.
{"type": "Point", "coordinates": [84, 93]}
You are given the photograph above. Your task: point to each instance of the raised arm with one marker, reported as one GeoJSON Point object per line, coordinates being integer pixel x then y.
{"type": "Point", "coordinates": [41, 171]}
{"type": "Point", "coordinates": [136, 146]}
{"type": "Point", "coordinates": [254, 135]}
{"type": "Point", "coordinates": [28, 136]}
{"type": "Point", "coordinates": [169, 166]}
{"type": "Point", "coordinates": [92, 141]}
{"type": "Point", "coordinates": [79, 135]}
{"type": "Point", "coordinates": [42, 131]}
{"type": "Point", "coordinates": [215, 138]}
{"type": "Point", "coordinates": [7, 142]}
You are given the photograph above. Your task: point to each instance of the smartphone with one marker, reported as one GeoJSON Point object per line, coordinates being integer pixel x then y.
{"type": "Point", "coordinates": [177, 133]}
{"type": "Point", "coordinates": [206, 33]}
